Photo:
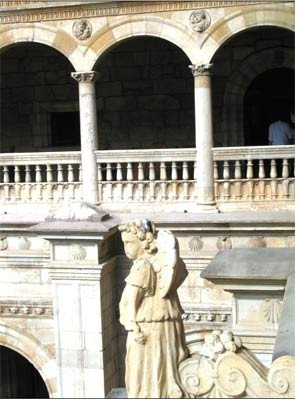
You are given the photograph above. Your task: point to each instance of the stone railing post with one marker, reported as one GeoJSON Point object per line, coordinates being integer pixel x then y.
{"type": "Point", "coordinates": [204, 134]}
{"type": "Point", "coordinates": [88, 132]}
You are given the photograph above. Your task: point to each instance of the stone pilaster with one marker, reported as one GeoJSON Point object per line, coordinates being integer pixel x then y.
{"type": "Point", "coordinates": [204, 134]}
{"type": "Point", "coordinates": [88, 132]}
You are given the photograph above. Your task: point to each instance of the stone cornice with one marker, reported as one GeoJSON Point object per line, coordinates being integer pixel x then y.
{"type": "Point", "coordinates": [37, 13]}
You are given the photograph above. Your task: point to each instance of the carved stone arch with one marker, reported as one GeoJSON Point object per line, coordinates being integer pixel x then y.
{"type": "Point", "coordinates": [140, 26]}
{"type": "Point", "coordinates": [233, 106]}
{"type": "Point", "coordinates": [43, 34]}
{"type": "Point", "coordinates": [271, 15]}
{"type": "Point", "coordinates": [30, 348]}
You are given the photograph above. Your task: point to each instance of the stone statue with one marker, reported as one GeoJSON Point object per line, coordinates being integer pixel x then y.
{"type": "Point", "coordinates": [151, 313]}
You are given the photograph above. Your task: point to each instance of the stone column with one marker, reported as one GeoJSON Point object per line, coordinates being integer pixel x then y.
{"type": "Point", "coordinates": [88, 132]}
{"type": "Point", "coordinates": [204, 134]}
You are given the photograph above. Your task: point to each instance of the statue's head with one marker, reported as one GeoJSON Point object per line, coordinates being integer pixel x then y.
{"type": "Point", "coordinates": [139, 238]}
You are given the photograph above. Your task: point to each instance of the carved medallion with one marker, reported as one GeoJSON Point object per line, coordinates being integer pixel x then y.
{"type": "Point", "coordinates": [82, 29]}
{"type": "Point", "coordinates": [195, 244]}
{"type": "Point", "coordinates": [199, 20]}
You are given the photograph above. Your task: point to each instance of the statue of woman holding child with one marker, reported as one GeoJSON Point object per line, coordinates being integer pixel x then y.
{"type": "Point", "coordinates": [151, 313]}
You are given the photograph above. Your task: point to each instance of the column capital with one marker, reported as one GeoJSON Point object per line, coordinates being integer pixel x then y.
{"type": "Point", "coordinates": [85, 77]}
{"type": "Point", "coordinates": [200, 69]}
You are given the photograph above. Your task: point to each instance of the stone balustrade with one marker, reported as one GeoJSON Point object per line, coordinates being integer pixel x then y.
{"type": "Point", "coordinates": [241, 175]}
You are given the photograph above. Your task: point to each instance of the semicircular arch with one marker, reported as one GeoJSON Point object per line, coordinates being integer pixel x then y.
{"type": "Point", "coordinates": [128, 28]}
{"type": "Point", "coordinates": [31, 349]}
{"type": "Point", "coordinates": [43, 34]}
{"type": "Point", "coordinates": [232, 24]}
{"type": "Point", "coordinates": [253, 66]}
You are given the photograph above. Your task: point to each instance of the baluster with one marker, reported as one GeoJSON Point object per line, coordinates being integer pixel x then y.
{"type": "Point", "coordinates": [6, 180]}
{"type": "Point", "coordinates": [119, 178]}
{"type": "Point", "coordinates": [140, 172]}
{"type": "Point", "coordinates": [152, 172]}
{"type": "Point", "coordinates": [70, 180]}
{"type": "Point", "coordinates": [285, 169]}
{"type": "Point", "coordinates": [195, 180]}
{"type": "Point", "coordinates": [216, 177]}
{"type": "Point", "coordinates": [49, 180]}
{"type": "Point", "coordinates": [163, 171]}
{"type": "Point", "coordinates": [249, 176]}
{"type": "Point", "coordinates": [5, 174]}
{"type": "Point", "coordinates": [273, 175]}
{"type": "Point", "coordinates": [185, 178]}
{"type": "Point", "coordinates": [163, 178]}
{"type": "Point", "coordinates": [16, 174]}
{"type": "Point", "coordinates": [129, 179]}
{"type": "Point", "coordinates": [174, 177]}
{"type": "Point", "coordinates": [28, 180]}
{"type": "Point", "coordinates": [285, 176]}
{"type": "Point", "coordinates": [109, 174]}
{"type": "Point", "coordinates": [17, 181]}
{"type": "Point", "coordinates": [261, 176]}
{"type": "Point", "coordinates": [238, 177]}
{"type": "Point", "coordinates": [49, 176]}
{"type": "Point", "coordinates": [60, 180]}
{"type": "Point", "coordinates": [80, 173]}
{"type": "Point", "coordinates": [226, 176]}
{"type": "Point", "coordinates": [70, 173]}
{"type": "Point", "coordinates": [99, 180]}
{"type": "Point", "coordinates": [38, 179]}
{"type": "Point", "coordinates": [152, 178]}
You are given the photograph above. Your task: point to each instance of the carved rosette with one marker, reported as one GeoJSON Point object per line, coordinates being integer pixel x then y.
{"type": "Point", "coordinates": [84, 77]}
{"type": "Point", "coordinates": [3, 243]}
{"type": "Point", "coordinates": [199, 20]}
{"type": "Point", "coordinates": [82, 29]}
{"type": "Point", "coordinates": [195, 244]}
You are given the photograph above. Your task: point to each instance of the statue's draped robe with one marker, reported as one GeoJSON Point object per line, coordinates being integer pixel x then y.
{"type": "Point", "coordinates": [152, 368]}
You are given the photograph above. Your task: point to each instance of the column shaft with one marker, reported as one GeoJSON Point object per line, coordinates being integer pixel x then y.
{"type": "Point", "coordinates": [88, 132]}
{"type": "Point", "coordinates": [204, 135]}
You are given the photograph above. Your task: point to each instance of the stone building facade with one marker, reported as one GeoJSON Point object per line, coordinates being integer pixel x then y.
{"type": "Point", "coordinates": [144, 108]}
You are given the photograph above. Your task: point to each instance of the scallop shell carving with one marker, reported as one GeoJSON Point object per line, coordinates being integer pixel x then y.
{"type": "Point", "coordinates": [23, 243]}
{"type": "Point", "coordinates": [195, 244]}
{"type": "Point", "coordinates": [78, 252]}
{"type": "Point", "coordinates": [224, 243]}
{"type": "Point", "coordinates": [256, 241]}
{"type": "Point", "coordinates": [3, 243]}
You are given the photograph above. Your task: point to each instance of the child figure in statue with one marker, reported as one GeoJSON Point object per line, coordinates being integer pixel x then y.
{"type": "Point", "coordinates": [151, 313]}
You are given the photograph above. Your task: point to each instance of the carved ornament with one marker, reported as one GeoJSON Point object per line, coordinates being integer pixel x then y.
{"type": "Point", "coordinates": [3, 243]}
{"type": "Point", "coordinates": [272, 309]}
{"type": "Point", "coordinates": [78, 252]}
{"type": "Point", "coordinates": [84, 77]}
{"type": "Point", "coordinates": [23, 243]}
{"type": "Point", "coordinates": [29, 310]}
{"type": "Point", "coordinates": [256, 241]}
{"type": "Point", "coordinates": [199, 20]}
{"type": "Point", "coordinates": [224, 368]}
{"type": "Point", "coordinates": [54, 11]}
{"type": "Point", "coordinates": [82, 29]}
{"type": "Point", "coordinates": [195, 244]}
{"type": "Point", "coordinates": [200, 69]}
{"type": "Point", "coordinates": [224, 243]}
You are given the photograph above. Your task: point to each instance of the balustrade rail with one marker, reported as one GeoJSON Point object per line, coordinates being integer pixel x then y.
{"type": "Point", "coordinates": [40, 177]}
{"type": "Point", "coordinates": [158, 175]}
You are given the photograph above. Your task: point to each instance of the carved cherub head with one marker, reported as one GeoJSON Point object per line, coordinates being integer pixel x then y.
{"type": "Point", "coordinates": [139, 238]}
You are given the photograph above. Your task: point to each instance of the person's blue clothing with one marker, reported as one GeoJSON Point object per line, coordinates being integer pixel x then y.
{"type": "Point", "coordinates": [280, 133]}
